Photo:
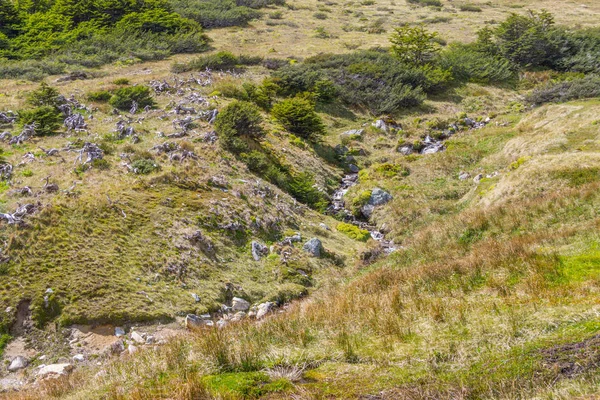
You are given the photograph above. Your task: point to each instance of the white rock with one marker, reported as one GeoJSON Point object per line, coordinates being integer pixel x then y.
{"type": "Point", "coordinates": [150, 340]}
{"type": "Point", "coordinates": [196, 297]}
{"type": "Point", "coordinates": [314, 247]}
{"type": "Point", "coordinates": [136, 337]}
{"type": "Point", "coordinates": [132, 349]}
{"type": "Point", "coordinates": [324, 226]}
{"type": "Point", "coordinates": [239, 304]}
{"type": "Point", "coordinates": [18, 363]}
{"type": "Point", "coordinates": [119, 332]}
{"type": "Point", "coordinates": [55, 370]}
{"type": "Point", "coordinates": [221, 323]}
{"type": "Point", "coordinates": [263, 309]}
{"type": "Point", "coordinates": [79, 358]}
{"type": "Point", "coordinates": [478, 178]}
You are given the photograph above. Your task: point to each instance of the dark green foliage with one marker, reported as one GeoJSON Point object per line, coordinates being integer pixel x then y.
{"type": "Point", "coordinates": [468, 64]}
{"type": "Point", "coordinates": [470, 8]}
{"type": "Point", "coordinates": [302, 187]}
{"type": "Point", "coordinates": [220, 61]}
{"type": "Point", "coordinates": [9, 19]}
{"type": "Point", "coordinates": [123, 98]}
{"type": "Point", "coordinates": [99, 96]}
{"type": "Point", "coordinates": [434, 3]}
{"type": "Point", "coordinates": [217, 13]}
{"type": "Point", "coordinates": [144, 166]}
{"type": "Point", "coordinates": [4, 339]}
{"type": "Point", "coordinates": [47, 120]}
{"type": "Point", "coordinates": [298, 116]}
{"type": "Point", "coordinates": [373, 80]}
{"type": "Point", "coordinates": [45, 96]}
{"type": "Point", "coordinates": [238, 122]}
{"type": "Point", "coordinates": [588, 87]}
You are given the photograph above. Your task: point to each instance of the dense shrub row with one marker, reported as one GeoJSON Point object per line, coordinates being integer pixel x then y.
{"type": "Point", "coordinates": [221, 13]}
{"type": "Point", "coordinates": [587, 87]}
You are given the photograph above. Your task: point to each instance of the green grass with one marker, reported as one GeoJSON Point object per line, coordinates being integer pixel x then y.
{"type": "Point", "coordinates": [353, 231]}
{"type": "Point", "coordinates": [4, 339]}
{"type": "Point", "coordinates": [245, 384]}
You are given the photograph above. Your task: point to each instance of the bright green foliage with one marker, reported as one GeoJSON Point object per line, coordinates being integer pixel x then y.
{"type": "Point", "coordinates": [47, 120]}
{"type": "Point", "coordinates": [414, 45]}
{"type": "Point", "coordinates": [353, 232]}
{"type": "Point", "coordinates": [4, 339]}
{"type": "Point", "coordinates": [123, 98]}
{"type": "Point", "coordinates": [45, 96]}
{"type": "Point", "coordinates": [238, 121]}
{"type": "Point", "coordinates": [298, 116]}
{"type": "Point", "coordinates": [157, 21]}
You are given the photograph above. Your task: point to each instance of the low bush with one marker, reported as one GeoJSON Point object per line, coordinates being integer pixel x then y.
{"type": "Point", "coordinates": [238, 122]}
{"type": "Point", "coordinates": [353, 231]}
{"type": "Point", "coordinates": [470, 65]}
{"type": "Point", "coordinates": [46, 119]}
{"type": "Point", "coordinates": [123, 98]}
{"type": "Point", "coordinates": [220, 61]}
{"type": "Point", "coordinates": [424, 3]}
{"type": "Point", "coordinates": [588, 87]}
{"type": "Point", "coordinates": [144, 166]}
{"type": "Point", "coordinates": [469, 8]}
{"type": "Point", "coordinates": [99, 96]}
{"type": "Point", "coordinates": [298, 116]}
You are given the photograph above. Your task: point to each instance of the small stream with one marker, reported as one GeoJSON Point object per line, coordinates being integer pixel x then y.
{"type": "Point", "coordinates": [338, 208]}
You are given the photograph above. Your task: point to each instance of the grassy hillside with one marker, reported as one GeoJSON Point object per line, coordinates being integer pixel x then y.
{"type": "Point", "coordinates": [476, 123]}
{"type": "Point", "coordinates": [496, 296]}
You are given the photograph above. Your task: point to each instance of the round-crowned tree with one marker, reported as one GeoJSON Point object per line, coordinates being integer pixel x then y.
{"type": "Point", "coordinates": [298, 116]}
{"type": "Point", "coordinates": [238, 121]}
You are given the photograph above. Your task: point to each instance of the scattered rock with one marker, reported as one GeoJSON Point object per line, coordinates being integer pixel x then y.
{"type": "Point", "coordinates": [239, 304]}
{"type": "Point", "coordinates": [340, 150]}
{"type": "Point", "coordinates": [353, 168]}
{"type": "Point", "coordinates": [117, 347]}
{"type": "Point", "coordinates": [54, 370]}
{"type": "Point", "coordinates": [314, 247]}
{"type": "Point", "coordinates": [196, 297]}
{"type": "Point", "coordinates": [353, 132]}
{"type": "Point", "coordinates": [193, 321]}
{"type": "Point", "coordinates": [119, 332]}
{"type": "Point", "coordinates": [221, 323]}
{"type": "Point", "coordinates": [478, 178]}
{"type": "Point", "coordinates": [324, 226]}
{"type": "Point", "coordinates": [238, 316]}
{"type": "Point", "coordinates": [136, 337]}
{"type": "Point", "coordinates": [150, 340]}
{"type": "Point", "coordinates": [132, 349]}
{"type": "Point", "coordinates": [379, 197]}
{"type": "Point", "coordinates": [367, 210]}
{"type": "Point", "coordinates": [259, 250]}
{"type": "Point", "coordinates": [463, 176]}
{"type": "Point", "coordinates": [79, 358]}
{"type": "Point", "coordinates": [264, 309]}
{"type": "Point", "coordinates": [18, 363]}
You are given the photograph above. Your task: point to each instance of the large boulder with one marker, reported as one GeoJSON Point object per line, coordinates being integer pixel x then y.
{"type": "Point", "coordinates": [18, 363]}
{"type": "Point", "coordinates": [314, 247]}
{"type": "Point", "coordinates": [239, 304]}
{"type": "Point", "coordinates": [193, 321]}
{"type": "Point", "coordinates": [379, 197]}
{"type": "Point", "coordinates": [54, 370]}
{"type": "Point", "coordinates": [259, 250]}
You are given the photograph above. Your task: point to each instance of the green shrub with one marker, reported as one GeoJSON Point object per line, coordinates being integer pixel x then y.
{"type": "Point", "coordinates": [470, 65]}
{"type": "Point", "coordinates": [370, 80]}
{"type": "Point", "coordinates": [157, 21]}
{"type": "Point", "coordinates": [302, 187]}
{"type": "Point", "coordinates": [45, 95]}
{"type": "Point", "coordinates": [217, 13]}
{"type": "Point", "coordinates": [298, 116]}
{"type": "Point", "coordinates": [469, 8]}
{"type": "Point", "coordinates": [424, 3]}
{"type": "Point", "coordinates": [122, 81]}
{"type": "Point", "coordinates": [220, 61]}
{"type": "Point", "coordinates": [238, 121]}
{"type": "Point", "coordinates": [144, 166]}
{"type": "Point", "coordinates": [353, 232]}
{"type": "Point", "coordinates": [320, 15]}
{"type": "Point", "coordinates": [46, 118]}
{"type": "Point", "coordinates": [414, 45]}
{"type": "Point", "coordinates": [588, 87]}
{"type": "Point", "coordinates": [44, 310]}
{"type": "Point", "coordinates": [99, 96]}
{"type": "Point", "coordinates": [123, 98]}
